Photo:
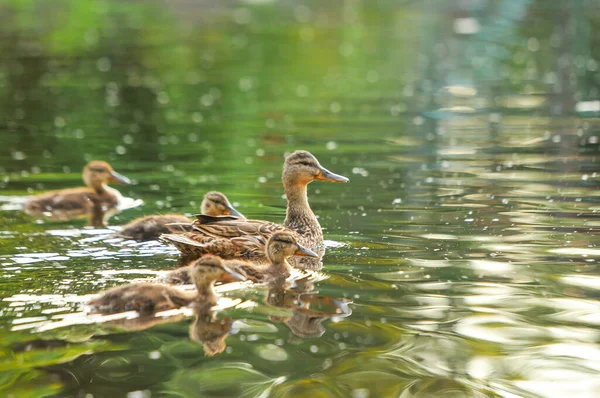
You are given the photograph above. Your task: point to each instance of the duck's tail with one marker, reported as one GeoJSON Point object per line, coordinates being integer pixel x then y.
{"type": "Point", "coordinates": [179, 227]}
{"type": "Point", "coordinates": [179, 240]}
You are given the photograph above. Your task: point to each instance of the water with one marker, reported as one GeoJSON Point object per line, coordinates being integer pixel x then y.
{"type": "Point", "coordinates": [462, 255]}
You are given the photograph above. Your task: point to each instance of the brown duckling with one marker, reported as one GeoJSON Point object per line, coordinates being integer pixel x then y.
{"type": "Point", "coordinates": [280, 246]}
{"type": "Point", "coordinates": [300, 169]}
{"type": "Point", "coordinates": [149, 298]}
{"type": "Point", "coordinates": [96, 200]}
{"type": "Point", "coordinates": [151, 227]}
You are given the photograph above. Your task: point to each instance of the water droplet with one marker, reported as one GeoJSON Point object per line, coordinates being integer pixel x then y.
{"type": "Point", "coordinates": [242, 16]}
{"type": "Point", "coordinates": [335, 107]}
{"type": "Point", "coordinates": [103, 64]}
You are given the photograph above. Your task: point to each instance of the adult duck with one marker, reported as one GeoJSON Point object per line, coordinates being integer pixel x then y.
{"type": "Point", "coordinates": [279, 247]}
{"type": "Point", "coordinates": [151, 227]}
{"type": "Point", "coordinates": [300, 169]}
{"type": "Point", "coordinates": [97, 200]}
{"type": "Point", "coordinates": [149, 298]}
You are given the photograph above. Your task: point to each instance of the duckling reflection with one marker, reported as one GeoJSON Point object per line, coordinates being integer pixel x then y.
{"type": "Point", "coordinates": [207, 329]}
{"type": "Point", "coordinates": [305, 321]}
{"type": "Point", "coordinates": [143, 322]}
{"type": "Point", "coordinates": [97, 200]}
{"type": "Point", "coordinates": [210, 331]}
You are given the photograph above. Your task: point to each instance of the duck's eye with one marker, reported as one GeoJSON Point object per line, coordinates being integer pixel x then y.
{"type": "Point", "coordinates": [98, 169]}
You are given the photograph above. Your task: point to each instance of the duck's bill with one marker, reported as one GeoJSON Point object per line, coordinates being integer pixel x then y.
{"type": "Point", "coordinates": [234, 212]}
{"type": "Point", "coordinates": [326, 175]}
{"type": "Point", "coordinates": [303, 251]}
{"type": "Point", "coordinates": [116, 177]}
{"type": "Point", "coordinates": [231, 276]}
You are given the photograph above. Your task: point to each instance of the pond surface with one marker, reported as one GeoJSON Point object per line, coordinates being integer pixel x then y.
{"type": "Point", "coordinates": [466, 240]}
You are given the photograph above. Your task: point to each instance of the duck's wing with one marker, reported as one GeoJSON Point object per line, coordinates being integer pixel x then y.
{"type": "Point", "coordinates": [180, 276]}
{"type": "Point", "coordinates": [250, 247]}
{"type": "Point", "coordinates": [187, 239]}
{"type": "Point", "coordinates": [173, 298]}
{"type": "Point", "coordinates": [231, 227]}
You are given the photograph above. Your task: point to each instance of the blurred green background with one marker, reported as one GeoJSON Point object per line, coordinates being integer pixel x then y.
{"type": "Point", "coordinates": [466, 238]}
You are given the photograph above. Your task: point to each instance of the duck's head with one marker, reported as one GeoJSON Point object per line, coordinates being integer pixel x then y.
{"type": "Point", "coordinates": [217, 204]}
{"type": "Point", "coordinates": [208, 269]}
{"type": "Point", "coordinates": [301, 168]}
{"type": "Point", "coordinates": [283, 244]}
{"type": "Point", "coordinates": [97, 173]}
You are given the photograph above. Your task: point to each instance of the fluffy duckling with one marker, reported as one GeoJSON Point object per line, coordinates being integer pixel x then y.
{"type": "Point", "coordinates": [149, 298]}
{"type": "Point", "coordinates": [96, 200]}
{"type": "Point", "coordinates": [300, 169]}
{"type": "Point", "coordinates": [151, 227]}
{"type": "Point", "coordinates": [279, 247]}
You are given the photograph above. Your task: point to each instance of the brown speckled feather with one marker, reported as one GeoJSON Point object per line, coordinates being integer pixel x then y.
{"type": "Point", "coordinates": [252, 271]}
{"type": "Point", "coordinates": [231, 227]}
{"type": "Point", "coordinates": [193, 245]}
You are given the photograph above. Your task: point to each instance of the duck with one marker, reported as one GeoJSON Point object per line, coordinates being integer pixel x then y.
{"type": "Point", "coordinates": [300, 169]}
{"type": "Point", "coordinates": [279, 248]}
{"type": "Point", "coordinates": [96, 200]}
{"type": "Point", "coordinates": [149, 298]}
{"type": "Point", "coordinates": [151, 227]}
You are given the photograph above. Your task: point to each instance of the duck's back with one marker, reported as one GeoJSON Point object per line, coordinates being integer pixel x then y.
{"type": "Point", "coordinates": [68, 203]}
{"type": "Point", "coordinates": [232, 227]}
{"type": "Point", "coordinates": [193, 245]}
{"type": "Point", "coordinates": [145, 298]}
{"type": "Point", "coordinates": [151, 227]}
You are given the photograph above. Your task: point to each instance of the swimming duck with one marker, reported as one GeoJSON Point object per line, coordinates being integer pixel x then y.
{"type": "Point", "coordinates": [96, 200]}
{"type": "Point", "coordinates": [148, 298]}
{"type": "Point", "coordinates": [151, 227]}
{"type": "Point", "coordinates": [300, 169]}
{"type": "Point", "coordinates": [279, 247]}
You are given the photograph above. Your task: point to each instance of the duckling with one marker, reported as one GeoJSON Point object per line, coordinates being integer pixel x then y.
{"type": "Point", "coordinates": [151, 227]}
{"type": "Point", "coordinates": [149, 298]}
{"type": "Point", "coordinates": [96, 200]}
{"type": "Point", "coordinates": [279, 247]}
{"type": "Point", "coordinates": [300, 169]}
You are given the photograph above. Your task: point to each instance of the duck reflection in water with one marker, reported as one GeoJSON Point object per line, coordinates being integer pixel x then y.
{"type": "Point", "coordinates": [210, 331]}
{"type": "Point", "coordinates": [298, 297]}
{"type": "Point", "coordinates": [207, 329]}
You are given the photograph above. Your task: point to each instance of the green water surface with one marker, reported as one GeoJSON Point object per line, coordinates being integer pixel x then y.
{"type": "Point", "coordinates": [467, 238]}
